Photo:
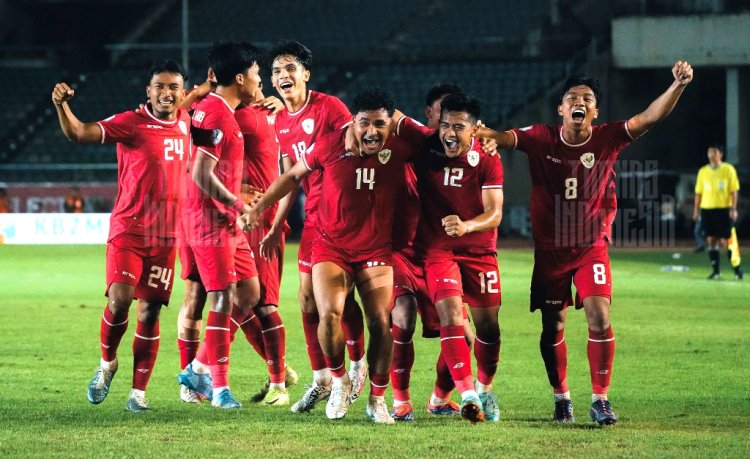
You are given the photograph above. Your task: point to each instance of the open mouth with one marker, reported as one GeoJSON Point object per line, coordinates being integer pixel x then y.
{"type": "Point", "coordinates": [286, 85]}
{"type": "Point", "coordinates": [370, 142]}
{"type": "Point", "coordinates": [578, 114]}
{"type": "Point", "coordinates": [166, 103]}
{"type": "Point", "coordinates": [451, 144]}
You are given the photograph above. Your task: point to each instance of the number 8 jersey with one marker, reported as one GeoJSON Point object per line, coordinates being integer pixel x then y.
{"type": "Point", "coordinates": [573, 202]}
{"type": "Point", "coordinates": [152, 155]}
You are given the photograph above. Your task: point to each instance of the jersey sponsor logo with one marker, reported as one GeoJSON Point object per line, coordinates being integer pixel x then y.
{"type": "Point", "coordinates": [154, 126]}
{"type": "Point", "coordinates": [554, 160]}
{"type": "Point", "coordinates": [125, 273]}
{"type": "Point", "coordinates": [587, 159]}
{"type": "Point", "coordinates": [216, 136]}
{"type": "Point", "coordinates": [473, 158]}
{"type": "Point", "coordinates": [384, 156]}
{"type": "Point", "coordinates": [199, 115]}
{"type": "Point", "coordinates": [308, 125]}
{"type": "Point", "coordinates": [183, 127]}
{"type": "Point", "coordinates": [450, 281]}
{"type": "Point", "coordinates": [284, 131]}
{"type": "Point", "coordinates": [458, 365]}
{"type": "Point", "coordinates": [552, 301]}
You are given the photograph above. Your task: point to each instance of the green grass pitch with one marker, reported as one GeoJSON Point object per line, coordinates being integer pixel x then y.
{"type": "Point", "coordinates": [681, 384]}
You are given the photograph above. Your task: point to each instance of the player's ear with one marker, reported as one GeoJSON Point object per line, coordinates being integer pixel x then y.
{"type": "Point", "coordinates": [596, 113]}
{"type": "Point", "coordinates": [306, 75]}
{"type": "Point", "coordinates": [559, 110]}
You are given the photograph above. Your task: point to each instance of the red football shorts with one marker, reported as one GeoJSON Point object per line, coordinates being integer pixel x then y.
{"type": "Point", "coordinates": [350, 261]}
{"type": "Point", "coordinates": [408, 279]}
{"type": "Point", "coordinates": [144, 262]}
{"type": "Point", "coordinates": [269, 271]}
{"type": "Point", "coordinates": [217, 266]}
{"type": "Point", "coordinates": [554, 270]}
{"type": "Point", "coordinates": [304, 254]}
{"type": "Point", "coordinates": [474, 277]}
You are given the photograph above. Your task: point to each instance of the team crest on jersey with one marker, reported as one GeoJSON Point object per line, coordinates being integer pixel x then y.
{"type": "Point", "coordinates": [587, 159]}
{"type": "Point", "coordinates": [216, 136]}
{"type": "Point", "coordinates": [183, 127]}
{"type": "Point", "coordinates": [473, 158]}
{"type": "Point", "coordinates": [384, 156]}
{"type": "Point", "coordinates": [308, 125]}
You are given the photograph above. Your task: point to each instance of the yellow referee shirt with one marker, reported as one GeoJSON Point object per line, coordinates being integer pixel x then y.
{"type": "Point", "coordinates": [716, 186]}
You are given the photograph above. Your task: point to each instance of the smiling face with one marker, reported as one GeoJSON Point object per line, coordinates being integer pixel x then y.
{"type": "Point", "coordinates": [251, 84]}
{"type": "Point", "coordinates": [371, 127]}
{"type": "Point", "coordinates": [289, 77]}
{"type": "Point", "coordinates": [578, 107]}
{"type": "Point", "coordinates": [456, 129]}
{"type": "Point", "coordinates": [165, 94]}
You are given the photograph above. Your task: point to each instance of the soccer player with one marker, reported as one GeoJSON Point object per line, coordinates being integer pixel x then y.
{"type": "Point", "coordinates": [308, 115]}
{"type": "Point", "coordinates": [152, 150]}
{"type": "Point", "coordinates": [410, 290]}
{"type": "Point", "coordinates": [358, 197]}
{"type": "Point", "coordinates": [457, 236]}
{"type": "Point", "coordinates": [217, 253]}
{"type": "Point", "coordinates": [573, 204]}
{"type": "Point", "coordinates": [716, 192]}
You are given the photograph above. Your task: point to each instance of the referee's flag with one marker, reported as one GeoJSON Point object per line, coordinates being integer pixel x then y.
{"type": "Point", "coordinates": [734, 248]}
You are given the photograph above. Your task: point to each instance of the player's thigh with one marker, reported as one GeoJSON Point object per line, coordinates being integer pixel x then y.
{"type": "Point", "coordinates": [375, 287]}
{"type": "Point", "coordinates": [331, 285]}
{"type": "Point", "coordinates": [480, 277]}
{"type": "Point", "coordinates": [593, 276]}
{"type": "Point", "coordinates": [443, 278]}
{"type": "Point", "coordinates": [157, 276]}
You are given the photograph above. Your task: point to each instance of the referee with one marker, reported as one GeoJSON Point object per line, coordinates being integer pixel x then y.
{"type": "Point", "coordinates": [716, 198]}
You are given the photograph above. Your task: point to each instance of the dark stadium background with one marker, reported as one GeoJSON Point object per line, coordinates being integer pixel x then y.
{"type": "Point", "coordinates": [513, 55]}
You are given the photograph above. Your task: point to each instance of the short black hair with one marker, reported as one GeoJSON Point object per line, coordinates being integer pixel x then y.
{"type": "Point", "coordinates": [582, 80]}
{"type": "Point", "coordinates": [441, 90]}
{"type": "Point", "coordinates": [374, 99]}
{"type": "Point", "coordinates": [227, 59]}
{"type": "Point", "coordinates": [461, 103]}
{"type": "Point", "coordinates": [169, 66]}
{"type": "Point", "coordinates": [717, 146]}
{"type": "Point", "coordinates": [297, 50]}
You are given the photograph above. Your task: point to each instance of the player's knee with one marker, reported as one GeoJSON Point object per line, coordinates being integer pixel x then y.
{"type": "Point", "coordinates": [149, 312]}
{"type": "Point", "coordinates": [306, 301]}
{"type": "Point", "coordinates": [488, 333]}
{"type": "Point", "coordinates": [403, 315]}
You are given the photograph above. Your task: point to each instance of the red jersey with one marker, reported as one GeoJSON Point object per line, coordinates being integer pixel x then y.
{"type": "Point", "coordinates": [358, 193]}
{"type": "Point", "coordinates": [454, 187]}
{"type": "Point", "coordinates": [261, 165]}
{"type": "Point", "coordinates": [297, 133]}
{"type": "Point", "coordinates": [573, 202]}
{"type": "Point", "coordinates": [151, 159]}
{"type": "Point", "coordinates": [204, 215]}
{"type": "Point", "coordinates": [406, 217]}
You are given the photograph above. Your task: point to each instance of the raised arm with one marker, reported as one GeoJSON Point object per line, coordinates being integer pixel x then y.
{"type": "Point", "coordinates": [663, 105]}
{"type": "Point", "coordinates": [492, 198]}
{"type": "Point", "coordinates": [285, 183]}
{"type": "Point", "coordinates": [505, 139]}
{"type": "Point", "coordinates": [75, 130]}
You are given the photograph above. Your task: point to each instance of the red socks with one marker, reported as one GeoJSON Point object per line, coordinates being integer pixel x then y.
{"type": "Point", "coordinates": [354, 329]}
{"type": "Point", "coordinates": [188, 349]}
{"type": "Point", "coordinates": [601, 353]}
{"type": "Point", "coordinates": [250, 326]}
{"type": "Point", "coordinates": [403, 361]}
{"type": "Point", "coordinates": [336, 365]}
{"type": "Point", "coordinates": [145, 348]}
{"type": "Point", "coordinates": [378, 384]}
{"type": "Point", "coordinates": [111, 329]}
{"type": "Point", "coordinates": [217, 347]}
{"type": "Point", "coordinates": [488, 356]}
{"type": "Point", "coordinates": [456, 353]}
{"type": "Point", "coordinates": [274, 341]}
{"type": "Point", "coordinates": [444, 384]}
{"type": "Point", "coordinates": [555, 355]}
{"type": "Point", "coordinates": [310, 321]}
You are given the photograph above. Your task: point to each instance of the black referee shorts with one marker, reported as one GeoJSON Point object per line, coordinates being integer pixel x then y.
{"type": "Point", "coordinates": [716, 222]}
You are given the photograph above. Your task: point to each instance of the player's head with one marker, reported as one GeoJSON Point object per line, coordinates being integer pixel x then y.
{"type": "Point", "coordinates": [459, 114]}
{"type": "Point", "coordinates": [579, 100]}
{"type": "Point", "coordinates": [373, 109]}
{"type": "Point", "coordinates": [166, 87]}
{"type": "Point", "coordinates": [291, 62]}
{"type": "Point", "coordinates": [715, 153]}
{"type": "Point", "coordinates": [432, 102]}
{"type": "Point", "coordinates": [236, 64]}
